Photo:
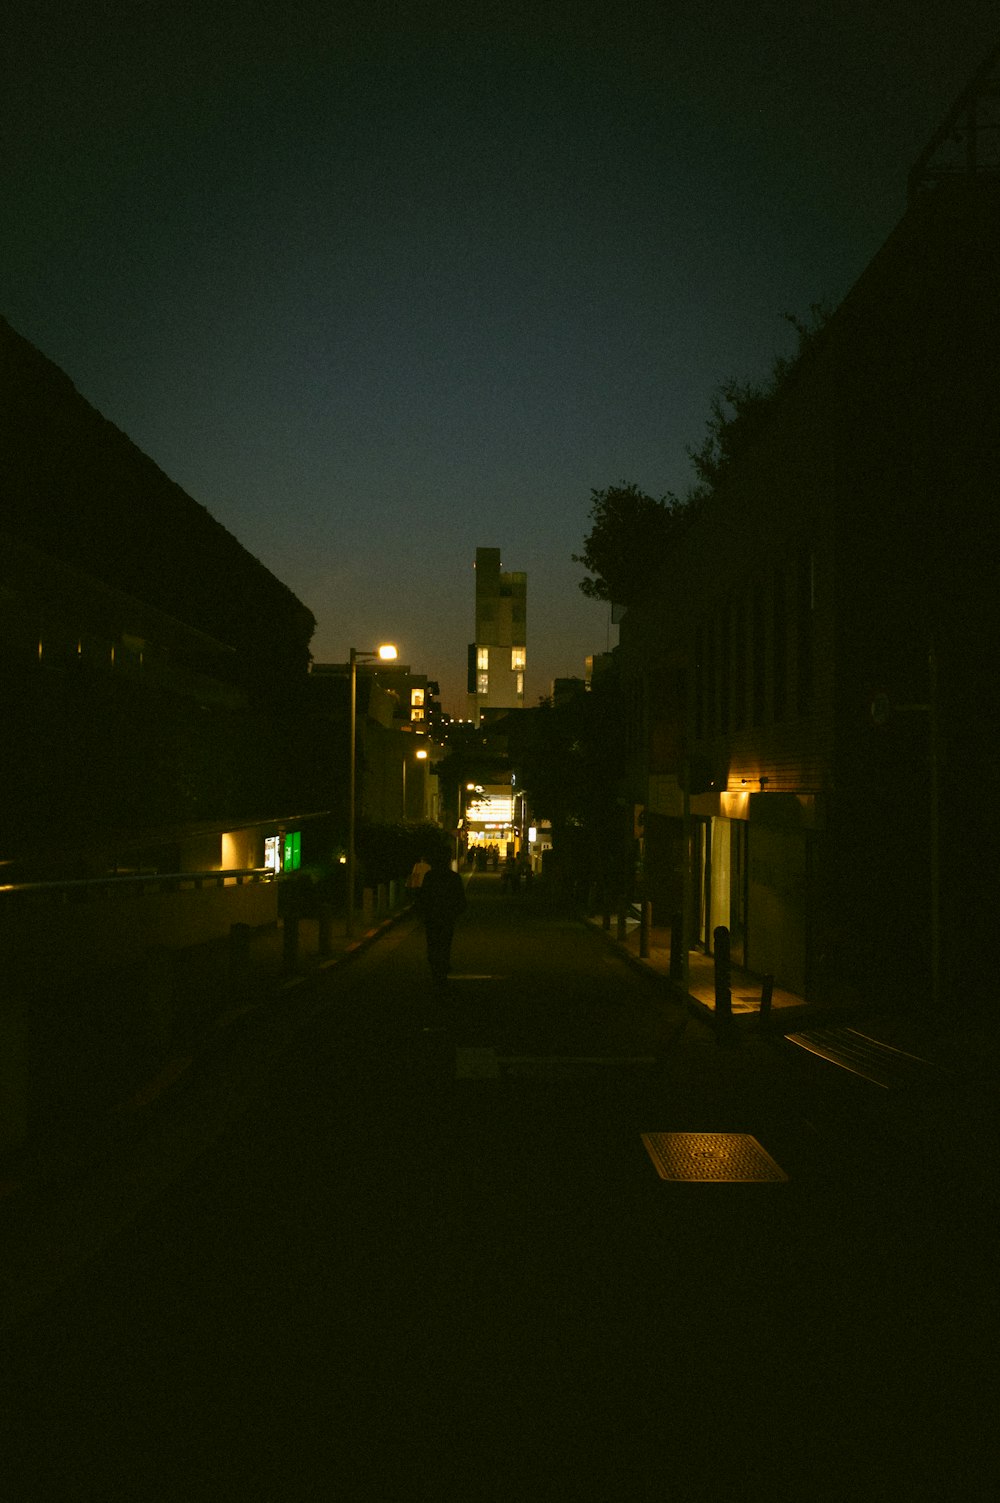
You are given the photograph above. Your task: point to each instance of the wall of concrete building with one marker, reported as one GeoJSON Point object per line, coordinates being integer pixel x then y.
{"type": "Point", "coordinates": [108, 947]}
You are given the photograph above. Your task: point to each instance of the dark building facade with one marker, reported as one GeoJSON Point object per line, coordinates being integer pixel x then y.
{"type": "Point", "coordinates": [150, 664]}
{"type": "Point", "coordinates": [811, 686]}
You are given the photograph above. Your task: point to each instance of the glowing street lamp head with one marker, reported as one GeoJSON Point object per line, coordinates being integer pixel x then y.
{"type": "Point", "coordinates": [387, 652]}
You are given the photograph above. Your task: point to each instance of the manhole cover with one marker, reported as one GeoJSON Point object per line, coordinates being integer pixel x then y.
{"type": "Point", "coordinates": [712, 1157]}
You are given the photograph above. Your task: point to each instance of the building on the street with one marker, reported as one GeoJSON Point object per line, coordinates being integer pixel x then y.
{"type": "Point", "coordinates": [497, 659]}
{"type": "Point", "coordinates": [809, 688]}
{"type": "Point", "coordinates": [150, 663]}
{"type": "Point", "coordinates": [397, 747]}
{"type": "Point", "coordinates": [154, 772]}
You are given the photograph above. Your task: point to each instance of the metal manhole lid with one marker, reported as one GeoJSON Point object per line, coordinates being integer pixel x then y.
{"type": "Point", "coordinates": [712, 1158]}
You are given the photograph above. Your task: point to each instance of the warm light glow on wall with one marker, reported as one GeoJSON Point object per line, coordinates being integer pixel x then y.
{"type": "Point", "coordinates": [236, 850]}
{"type": "Point", "coordinates": [735, 805]}
{"type": "Point", "coordinates": [488, 807]}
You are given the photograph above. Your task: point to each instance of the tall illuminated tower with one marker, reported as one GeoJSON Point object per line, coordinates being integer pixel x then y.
{"type": "Point", "coordinates": [498, 656]}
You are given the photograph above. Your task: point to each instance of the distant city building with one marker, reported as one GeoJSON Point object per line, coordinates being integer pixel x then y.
{"type": "Point", "coordinates": [498, 656]}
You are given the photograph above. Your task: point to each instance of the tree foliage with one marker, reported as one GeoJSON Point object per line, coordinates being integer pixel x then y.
{"type": "Point", "coordinates": [628, 540]}
{"type": "Point", "coordinates": [741, 409]}
{"type": "Point", "coordinates": [632, 533]}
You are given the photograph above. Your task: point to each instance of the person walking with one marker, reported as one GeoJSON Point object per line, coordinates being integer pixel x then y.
{"type": "Point", "coordinates": [441, 898]}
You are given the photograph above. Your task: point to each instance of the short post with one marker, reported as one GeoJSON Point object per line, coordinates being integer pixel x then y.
{"type": "Point", "coordinates": [620, 929]}
{"type": "Point", "coordinates": [239, 956]}
{"type": "Point", "coordinates": [766, 994]}
{"type": "Point", "coordinates": [290, 941]}
{"type": "Point", "coordinates": [645, 918]}
{"type": "Point", "coordinates": [676, 959]}
{"type": "Point", "coordinates": [325, 940]}
{"type": "Point", "coordinates": [723, 994]}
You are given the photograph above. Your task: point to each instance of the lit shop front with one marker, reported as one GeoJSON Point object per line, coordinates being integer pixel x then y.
{"type": "Point", "coordinates": [492, 818]}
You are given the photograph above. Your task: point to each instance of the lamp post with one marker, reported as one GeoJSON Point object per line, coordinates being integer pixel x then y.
{"type": "Point", "coordinates": [386, 653]}
{"type": "Point", "coordinates": [421, 757]}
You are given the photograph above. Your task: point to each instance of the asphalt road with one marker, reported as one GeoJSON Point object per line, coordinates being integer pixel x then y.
{"type": "Point", "coordinates": [384, 1282]}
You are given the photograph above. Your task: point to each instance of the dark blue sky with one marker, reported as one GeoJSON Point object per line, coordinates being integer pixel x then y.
{"type": "Point", "coordinates": [381, 284]}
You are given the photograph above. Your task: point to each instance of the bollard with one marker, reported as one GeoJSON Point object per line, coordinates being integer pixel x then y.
{"type": "Point", "coordinates": [239, 956]}
{"type": "Point", "coordinates": [325, 939]}
{"type": "Point", "coordinates": [676, 940]}
{"type": "Point", "coordinates": [645, 919]}
{"type": "Point", "coordinates": [723, 995]}
{"type": "Point", "coordinates": [290, 941]}
{"type": "Point", "coordinates": [767, 992]}
{"type": "Point", "coordinates": [160, 1002]}
{"type": "Point", "coordinates": [620, 929]}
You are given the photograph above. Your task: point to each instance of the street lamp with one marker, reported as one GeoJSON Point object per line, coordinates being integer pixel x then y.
{"type": "Point", "coordinates": [387, 653]}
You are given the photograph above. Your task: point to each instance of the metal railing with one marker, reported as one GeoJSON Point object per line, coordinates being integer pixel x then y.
{"type": "Point", "coordinates": [138, 883]}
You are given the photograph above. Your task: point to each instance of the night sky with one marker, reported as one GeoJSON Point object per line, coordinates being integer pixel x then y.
{"type": "Point", "coordinates": [381, 284]}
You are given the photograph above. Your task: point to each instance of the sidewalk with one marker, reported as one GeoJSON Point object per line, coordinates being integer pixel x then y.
{"type": "Point", "coordinates": [934, 1079]}
{"type": "Point", "coordinates": [788, 1009]}
{"type": "Point", "coordinates": [958, 1042]}
{"type": "Point", "coordinates": [216, 996]}
{"type": "Point", "coordinates": [71, 1189]}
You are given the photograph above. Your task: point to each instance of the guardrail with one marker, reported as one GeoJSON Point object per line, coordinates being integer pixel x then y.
{"type": "Point", "coordinates": [152, 881]}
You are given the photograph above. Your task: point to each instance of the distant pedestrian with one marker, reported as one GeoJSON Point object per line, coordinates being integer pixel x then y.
{"type": "Point", "coordinates": [441, 899]}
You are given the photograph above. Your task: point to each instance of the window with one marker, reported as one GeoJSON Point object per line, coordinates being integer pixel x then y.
{"type": "Point", "coordinates": [483, 683]}
{"type": "Point", "coordinates": [516, 658]}
{"type": "Point", "coordinates": [483, 659]}
{"type": "Point", "coordinates": [520, 686]}
{"type": "Point", "coordinates": [416, 696]}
